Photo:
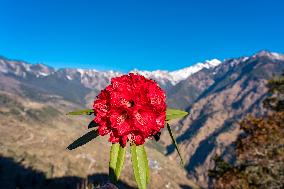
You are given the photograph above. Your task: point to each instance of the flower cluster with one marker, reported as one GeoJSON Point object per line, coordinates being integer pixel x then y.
{"type": "Point", "coordinates": [130, 108]}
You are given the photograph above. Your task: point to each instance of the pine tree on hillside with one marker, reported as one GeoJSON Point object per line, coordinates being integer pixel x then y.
{"type": "Point", "coordinates": [276, 89]}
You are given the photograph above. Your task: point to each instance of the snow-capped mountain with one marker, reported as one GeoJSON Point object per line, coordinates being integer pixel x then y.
{"type": "Point", "coordinates": [182, 74]}
{"type": "Point", "coordinates": [92, 79]}
{"type": "Point", "coordinates": [99, 79]}
{"type": "Point", "coordinates": [21, 69]}
{"type": "Point", "coordinates": [96, 80]}
{"type": "Point", "coordinates": [166, 78]}
{"type": "Point", "coordinates": [268, 54]}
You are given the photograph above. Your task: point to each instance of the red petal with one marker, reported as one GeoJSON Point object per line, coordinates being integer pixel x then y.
{"type": "Point", "coordinates": [139, 139]}
{"type": "Point", "coordinates": [117, 118]}
{"type": "Point", "coordinates": [113, 138]}
{"type": "Point", "coordinates": [103, 129]}
{"type": "Point", "coordinates": [123, 140]}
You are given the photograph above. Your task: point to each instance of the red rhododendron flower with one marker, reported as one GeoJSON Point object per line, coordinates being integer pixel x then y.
{"type": "Point", "coordinates": [130, 108]}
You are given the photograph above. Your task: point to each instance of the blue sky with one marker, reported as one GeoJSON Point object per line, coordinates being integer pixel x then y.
{"type": "Point", "coordinates": [143, 34]}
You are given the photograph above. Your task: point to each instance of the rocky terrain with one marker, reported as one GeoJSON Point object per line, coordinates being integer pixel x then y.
{"type": "Point", "coordinates": [35, 131]}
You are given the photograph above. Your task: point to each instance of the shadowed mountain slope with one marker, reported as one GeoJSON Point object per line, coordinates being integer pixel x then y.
{"type": "Point", "coordinates": [217, 99]}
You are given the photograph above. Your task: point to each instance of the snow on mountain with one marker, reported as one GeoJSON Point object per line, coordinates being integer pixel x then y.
{"type": "Point", "coordinates": [21, 69]}
{"type": "Point", "coordinates": [166, 77]}
{"type": "Point", "coordinates": [271, 55]}
{"type": "Point", "coordinates": [163, 77]}
{"type": "Point", "coordinates": [182, 74]}
{"type": "Point", "coordinates": [98, 79]}
{"type": "Point", "coordinates": [90, 78]}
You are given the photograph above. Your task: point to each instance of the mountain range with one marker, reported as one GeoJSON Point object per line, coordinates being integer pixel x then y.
{"type": "Point", "coordinates": [88, 77]}
{"type": "Point", "coordinates": [217, 94]}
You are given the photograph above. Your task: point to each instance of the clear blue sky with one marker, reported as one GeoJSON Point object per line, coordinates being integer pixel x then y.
{"type": "Point", "coordinates": [143, 34]}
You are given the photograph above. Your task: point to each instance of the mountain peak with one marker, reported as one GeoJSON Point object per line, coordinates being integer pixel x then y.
{"type": "Point", "coordinates": [165, 77]}
{"type": "Point", "coordinates": [186, 72]}
{"type": "Point", "coordinates": [269, 54]}
{"type": "Point", "coordinates": [212, 62]}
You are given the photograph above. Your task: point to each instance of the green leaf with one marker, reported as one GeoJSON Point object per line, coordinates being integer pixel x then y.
{"type": "Point", "coordinates": [83, 139]}
{"type": "Point", "coordinates": [174, 114]}
{"type": "Point", "coordinates": [140, 165]}
{"type": "Point", "coordinates": [175, 143]}
{"type": "Point", "coordinates": [147, 167]}
{"type": "Point", "coordinates": [92, 124]}
{"type": "Point", "coordinates": [81, 112]}
{"type": "Point", "coordinates": [117, 156]}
